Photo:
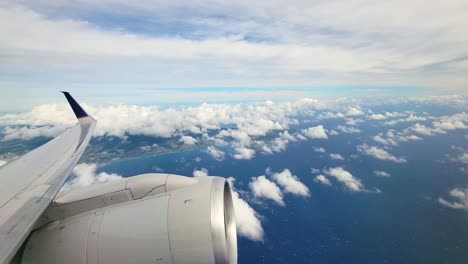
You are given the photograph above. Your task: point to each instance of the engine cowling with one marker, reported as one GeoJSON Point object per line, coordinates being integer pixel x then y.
{"type": "Point", "coordinates": [151, 218]}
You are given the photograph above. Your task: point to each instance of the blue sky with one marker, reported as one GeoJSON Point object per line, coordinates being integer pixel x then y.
{"type": "Point", "coordinates": [120, 48]}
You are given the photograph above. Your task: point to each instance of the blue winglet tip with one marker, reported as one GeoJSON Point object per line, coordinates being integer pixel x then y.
{"type": "Point", "coordinates": [79, 112]}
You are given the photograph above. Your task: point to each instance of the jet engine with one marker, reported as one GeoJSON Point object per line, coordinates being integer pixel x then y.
{"type": "Point", "coordinates": [149, 218]}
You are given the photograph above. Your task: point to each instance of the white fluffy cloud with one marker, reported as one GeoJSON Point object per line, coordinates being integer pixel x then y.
{"type": "Point", "coordinates": [382, 173]}
{"type": "Point", "coordinates": [243, 153]}
{"type": "Point", "coordinates": [440, 125]}
{"type": "Point", "coordinates": [291, 183]}
{"type": "Point", "coordinates": [410, 118]}
{"type": "Point", "coordinates": [459, 198]}
{"type": "Point", "coordinates": [247, 219]}
{"type": "Point", "coordinates": [336, 156]}
{"type": "Point", "coordinates": [315, 132]}
{"type": "Point", "coordinates": [246, 122]}
{"type": "Point", "coordinates": [427, 131]}
{"type": "Point", "coordinates": [354, 111]}
{"type": "Point", "coordinates": [30, 132]}
{"type": "Point", "coordinates": [456, 121]}
{"type": "Point", "coordinates": [329, 115]}
{"type": "Point", "coordinates": [200, 173]}
{"type": "Point", "coordinates": [379, 153]}
{"type": "Point", "coordinates": [345, 177]}
{"type": "Point", "coordinates": [256, 119]}
{"type": "Point", "coordinates": [377, 117]}
{"type": "Point", "coordinates": [264, 188]}
{"type": "Point", "coordinates": [392, 137]}
{"type": "Point", "coordinates": [188, 140]}
{"type": "Point", "coordinates": [320, 150]}
{"type": "Point", "coordinates": [322, 180]}
{"type": "Point", "coordinates": [85, 175]}
{"type": "Point", "coordinates": [215, 153]}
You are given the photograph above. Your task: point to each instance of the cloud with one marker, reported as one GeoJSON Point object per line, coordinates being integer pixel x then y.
{"type": "Point", "coordinates": [345, 177]}
{"type": "Point", "coordinates": [215, 47]}
{"type": "Point", "coordinates": [459, 198]}
{"type": "Point", "coordinates": [322, 180]}
{"type": "Point", "coordinates": [354, 111]}
{"type": "Point", "coordinates": [330, 115]}
{"type": "Point", "coordinates": [319, 150]}
{"type": "Point", "coordinates": [440, 125]}
{"type": "Point", "coordinates": [254, 119]}
{"type": "Point", "coordinates": [285, 135]}
{"type": "Point", "coordinates": [247, 219]}
{"type": "Point", "coordinates": [263, 188]}
{"type": "Point", "coordinates": [382, 173]}
{"type": "Point", "coordinates": [301, 137]}
{"type": "Point", "coordinates": [348, 130]}
{"type": "Point", "coordinates": [377, 117]}
{"type": "Point", "coordinates": [215, 153]}
{"type": "Point", "coordinates": [188, 140]}
{"type": "Point", "coordinates": [243, 153]}
{"type": "Point", "coordinates": [386, 141]}
{"type": "Point", "coordinates": [291, 183]}
{"type": "Point", "coordinates": [2, 162]}
{"type": "Point", "coordinates": [456, 121]}
{"type": "Point", "coordinates": [379, 153]}
{"type": "Point", "coordinates": [315, 132]}
{"type": "Point", "coordinates": [447, 125]}
{"type": "Point", "coordinates": [220, 125]}
{"type": "Point", "coordinates": [463, 158]}
{"type": "Point", "coordinates": [85, 175]}
{"type": "Point", "coordinates": [336, 156]}
{"type": "Point", "coordinates": [276, 145]}
{"type": "Point", "coordinates": [200, 173]}
{"type": "Point", "coordinates": [410, 118]}
{"type": "Point", "coordinates": [392, 138]}
{"type": "Point", "coordinates": [30, 132]}
{"type": "Point", "coordinates": [314, 170]}
{"type": "Point", "coordinates": [353, 122]}
{"type": "Point", "coordinates": [427, 131]}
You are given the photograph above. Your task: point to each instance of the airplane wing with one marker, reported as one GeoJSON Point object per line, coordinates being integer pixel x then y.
{"type": "Point", "coordinates": [29, 183]}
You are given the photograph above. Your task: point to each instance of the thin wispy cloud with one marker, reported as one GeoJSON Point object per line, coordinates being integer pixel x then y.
{"type": "Point", "coordinates": [241, 44]}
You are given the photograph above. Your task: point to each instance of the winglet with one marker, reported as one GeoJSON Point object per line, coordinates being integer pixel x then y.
{"type": "Point", "coordinates": [79, 112]}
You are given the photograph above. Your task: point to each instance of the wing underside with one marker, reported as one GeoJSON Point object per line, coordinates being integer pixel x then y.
{"type": "Point", "coordinates": [29, 183]}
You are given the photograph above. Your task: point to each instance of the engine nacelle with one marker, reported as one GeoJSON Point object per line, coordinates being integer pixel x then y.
{"type": "Point", "coordinates": [150, 218]}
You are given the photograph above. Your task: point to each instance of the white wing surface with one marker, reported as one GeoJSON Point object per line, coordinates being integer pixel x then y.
{"type": "Point", "coordinates": [29, 183]}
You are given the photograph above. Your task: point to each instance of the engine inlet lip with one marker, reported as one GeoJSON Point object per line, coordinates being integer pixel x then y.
{"type": "Point", "coordinates": [223, 226]}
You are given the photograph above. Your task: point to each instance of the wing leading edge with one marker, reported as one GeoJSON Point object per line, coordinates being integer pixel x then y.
{"type": "Point", "coordinates": [29, 183]}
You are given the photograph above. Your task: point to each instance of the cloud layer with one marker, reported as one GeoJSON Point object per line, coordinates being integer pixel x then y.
{"type": "Point", "coordinates": [235, 44]}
